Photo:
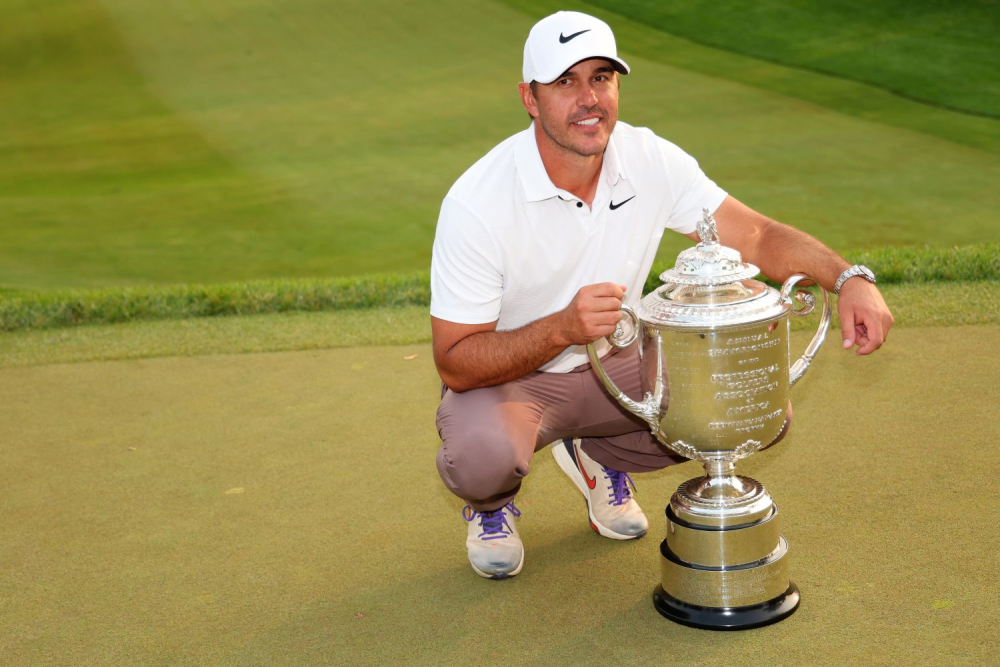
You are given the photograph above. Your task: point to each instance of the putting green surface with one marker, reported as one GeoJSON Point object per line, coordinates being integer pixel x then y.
{"type": "Point", "coordinates": [284, 508]}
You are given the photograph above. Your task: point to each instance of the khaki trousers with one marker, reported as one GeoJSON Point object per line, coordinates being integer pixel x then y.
{"type": "Point", "coordinates": [489, 435]}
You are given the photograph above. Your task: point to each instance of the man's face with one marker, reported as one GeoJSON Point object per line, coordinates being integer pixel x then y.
{"type": "Point", "coordinates": [577, 111]}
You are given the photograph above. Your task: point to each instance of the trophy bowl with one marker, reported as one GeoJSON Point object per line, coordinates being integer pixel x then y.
{"type": "Point", "coordinates": [716, 370]}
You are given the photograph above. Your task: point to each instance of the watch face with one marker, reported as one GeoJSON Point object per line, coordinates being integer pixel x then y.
{"type": "Point", "coordinates": [866, 272]}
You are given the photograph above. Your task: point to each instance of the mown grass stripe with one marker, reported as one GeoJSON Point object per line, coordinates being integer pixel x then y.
{"type": "Point", "coordinates": [940, 54]}
{"type": "Point", "coordinates": [45, 310]}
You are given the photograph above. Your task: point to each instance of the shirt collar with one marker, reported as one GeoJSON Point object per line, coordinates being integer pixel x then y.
{"type": "Point", "coordinates": [535, 180]}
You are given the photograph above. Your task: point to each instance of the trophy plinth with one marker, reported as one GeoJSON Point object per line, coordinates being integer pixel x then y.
{"type": "Point", "coordinates": [724, 565]}
{"type": "Point", "coordinates": [716, 373]}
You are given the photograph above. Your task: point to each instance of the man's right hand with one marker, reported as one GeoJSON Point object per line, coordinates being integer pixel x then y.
{"type": "Point", "coordinates": [477, 355]}
{"type": "Point", "coordinates": [592, 314]}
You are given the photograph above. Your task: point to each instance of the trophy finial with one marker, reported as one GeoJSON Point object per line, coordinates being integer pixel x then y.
{"type": "Point", "coordinates": [706, 228]}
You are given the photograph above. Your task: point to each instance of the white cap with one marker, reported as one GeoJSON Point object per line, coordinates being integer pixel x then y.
{"type": "Point", "coordinates": [558, 42]}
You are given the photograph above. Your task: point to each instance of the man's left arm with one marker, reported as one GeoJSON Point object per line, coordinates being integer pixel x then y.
{"type": "Point", "coordinates": [780, 251]}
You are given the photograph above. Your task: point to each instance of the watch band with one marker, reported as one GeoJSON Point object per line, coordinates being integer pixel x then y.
{"type": "Point", "coordinates": [856, 270]}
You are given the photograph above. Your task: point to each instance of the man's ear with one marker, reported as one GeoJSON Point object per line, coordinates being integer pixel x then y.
{"type": "Point", "coordinates": [528, 99]}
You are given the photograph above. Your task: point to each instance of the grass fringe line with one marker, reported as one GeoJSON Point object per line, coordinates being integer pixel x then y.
{"type": "Point", "coordinates": [46, 310]}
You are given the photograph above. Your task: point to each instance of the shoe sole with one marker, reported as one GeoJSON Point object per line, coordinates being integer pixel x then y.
{"type": "Point", "coordinates": [499, 575]}
{"type": "Point", "coordinates": [568, 466]}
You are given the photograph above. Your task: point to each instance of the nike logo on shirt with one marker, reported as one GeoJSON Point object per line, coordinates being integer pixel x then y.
{"type": "Point", "coordinates": [614, 205]}
{"type": "Point", "coordinates": [563, 40]}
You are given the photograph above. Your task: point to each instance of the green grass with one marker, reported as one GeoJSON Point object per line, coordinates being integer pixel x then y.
{"type": "Point", "coordinates": [246, 334]}
{"type": "Point", "coordinates": [194, 159]}
{"type": "Point", "coordinates": [284, 509]}
{"type": "Point", "coordinates": [859, 100]}
{"type": "Point", "coordinates": [49, 309]}
{"type": "Point", "coordinates": [912, 304]}
{"type": "Point", "coordinates": [43, 310]}
{"type": "Point", "coordinates": [911, 264]}
{"type": "Point", "coordinates": [197, 143]}
{"type": "Point", "coordinates": [944, 54]}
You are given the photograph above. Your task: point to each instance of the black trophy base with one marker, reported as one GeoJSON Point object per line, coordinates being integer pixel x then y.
{"type": "Point", "coordinates": [727, 618]}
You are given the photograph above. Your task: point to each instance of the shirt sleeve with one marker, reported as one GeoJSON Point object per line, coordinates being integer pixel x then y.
{"type": "Point", "coordinates": [467, 268]}
{"type": "Point", "coordinates": [692, 189]}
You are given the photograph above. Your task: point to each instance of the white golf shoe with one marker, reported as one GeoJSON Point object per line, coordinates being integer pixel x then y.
{"type": "Point", "coordinates": [495, 548]}
{"type": "Point", "coordinates": [613, 511]}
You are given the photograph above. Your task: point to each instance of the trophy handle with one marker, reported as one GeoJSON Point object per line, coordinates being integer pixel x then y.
{"type": "Point", "coordinates": [808, 301]}
{"type": "Point", "coordinates": [645, 410]}
{"type": "Point", "coordinates": [619, 338]}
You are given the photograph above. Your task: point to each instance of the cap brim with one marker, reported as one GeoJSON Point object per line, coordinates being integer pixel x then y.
{"type": "Point", "coordinates": [620, 66]}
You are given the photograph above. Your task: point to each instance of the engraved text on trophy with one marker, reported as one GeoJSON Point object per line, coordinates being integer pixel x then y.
{"type": "Point", "coordinates": [727, 386]}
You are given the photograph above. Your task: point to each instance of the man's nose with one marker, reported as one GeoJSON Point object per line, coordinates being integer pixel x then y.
{"type": "Point", "coordinates": [587, 97]}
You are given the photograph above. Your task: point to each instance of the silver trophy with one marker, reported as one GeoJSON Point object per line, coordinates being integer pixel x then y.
{"type": "Point", "coordinates": [716, 370]}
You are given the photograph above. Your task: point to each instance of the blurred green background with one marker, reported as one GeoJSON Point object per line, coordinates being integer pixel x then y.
{"type": "Point", "coordinates": [188, 142]}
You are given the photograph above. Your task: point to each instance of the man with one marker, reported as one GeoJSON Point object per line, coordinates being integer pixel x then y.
{"type": "Point", "coordinates": [537, 247]}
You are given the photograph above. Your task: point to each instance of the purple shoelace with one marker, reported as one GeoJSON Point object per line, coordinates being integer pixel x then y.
{"type": "Point", "coordinates": [619, 487]}
{"type": "Point", "coordinates": [493, 522]}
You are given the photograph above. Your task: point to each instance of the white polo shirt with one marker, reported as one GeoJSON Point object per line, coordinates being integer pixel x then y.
{"type": "Point", "coordinates": [511, 247]}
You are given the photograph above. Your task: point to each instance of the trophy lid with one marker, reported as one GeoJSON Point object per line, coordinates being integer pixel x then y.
{"type": "Point", "coordinates": [710, 285]}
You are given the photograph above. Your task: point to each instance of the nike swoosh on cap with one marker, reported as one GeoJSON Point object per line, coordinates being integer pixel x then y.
{"type": "Point", "coordinates": [614, 205]}
{"type": "Point", "coordinates": [563, 40]}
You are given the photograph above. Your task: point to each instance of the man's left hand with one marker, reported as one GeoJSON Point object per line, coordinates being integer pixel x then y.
{"type": "Point", "coordinates": [865, 319]}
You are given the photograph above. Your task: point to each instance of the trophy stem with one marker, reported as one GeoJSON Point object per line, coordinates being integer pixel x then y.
{"type": "Point", "coordinates": [720, 468]}
{"type": "Point", "coordinates": [721, 484]}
